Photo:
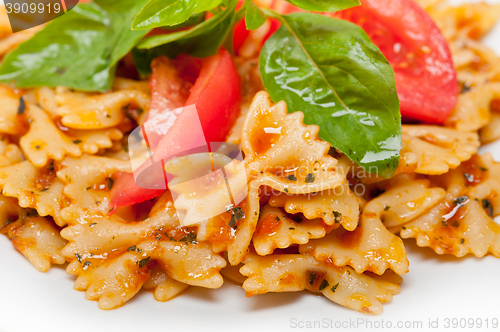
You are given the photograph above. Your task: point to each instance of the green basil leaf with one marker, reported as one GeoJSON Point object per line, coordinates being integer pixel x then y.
{"type": "Point", "coordinates": [324, 5]}
{"type": "Point", "coordinates": [192, 21]}
{"type": "Point", "coordinates": [254, 17]}
{"type": "Point", "coordinates": [157, 13]}
{"type": "Point", "coordinates": [202, 40]}
{"type": "Point", "coordinates": [78, 50]}
{"type": "Point", "coordinates": [331, 71]}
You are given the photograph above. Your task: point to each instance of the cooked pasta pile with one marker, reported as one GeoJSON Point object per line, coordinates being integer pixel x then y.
{"type": "Point", "coordinates": [323, 224]}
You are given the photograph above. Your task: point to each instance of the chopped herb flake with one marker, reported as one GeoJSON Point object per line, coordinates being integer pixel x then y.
{"type": "Point", "coordinates": [337, 215]}
{"type": "Point", "coordinates": [110, 183]}
{"type": "Point", "coordinates": [334, 288]}
{"type": "Point", "coordinates": [488, 206]}
{"type": "Point", "coordinates": [323, 285]}
{"type": "Point", "coordinates": [76, 141]}
{"type": "Point", "coordinates": [461, 200]}
{"type": "Point", "coordinates": [310, 178]}
{"type": "Point", "coordinates": [79, 257]}
{"type": "Point", "coordinates": [22, 106]}
{"type": "Point", "coordinates": [144, 262]}
{"type": "Point", "coordinates": [312, 277]}
{"type": "Point", "coordinates": [291, 177]}
{"type": "Point", "coordinates": [387, 207]}
{"type": "Point", "coordinates": [133, 248]}
{"type": "Point", "coordinates": [191, 238]}
{"type": "Point", "coordinates": [462, 241]}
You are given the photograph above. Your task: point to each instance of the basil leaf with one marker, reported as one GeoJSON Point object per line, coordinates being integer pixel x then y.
{"type": "Point", "coordinates": [324, 5]}
{"type": "Point", "coordinates": [157, 13]}
{"type": "Point", "coordinates": [254, 17]}
{"type": "Point", "coordinates": [331, 71]}
{"type": "Point", "coordinates": [192, 21]}
{"type": "Point", "coordinates": [202, 40]}
{"type": "Point", "coordinates": [78, 50]}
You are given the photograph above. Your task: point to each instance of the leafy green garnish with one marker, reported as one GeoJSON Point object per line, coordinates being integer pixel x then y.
{"type": "Point", "coordinates": [144, 262]}
{"type": "Point", "coordinates": [324, 284]}
{"type": "Point", "coordinates": [331, 71]}
{"type": "Point", "coordinates": [254, 17]}
{"type": "Point", "coordinates": [324, 5]}
{"type": "Point", "coordinates": [192, 21]}
{"type": "Point", "coordinates": [79, 50]}
{"type": "Point", "coordinates": [158, 13]}
{"type": "Point", "coordinates": [202, 40]}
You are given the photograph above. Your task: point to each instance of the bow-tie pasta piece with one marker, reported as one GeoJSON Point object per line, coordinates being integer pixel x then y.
{"type": "Point", "coordinates": [336, 207]}
{"type": "Point", "coordinates": [370, 247]}
{"type": "Point", "coordinates": [114, 281]}
{"type": "Point", "coordinates": [205, 184]}
{"type": "Point", "coordinates": [10, 121]}
{"type": "Point", "coordinates": [101, 111]}
{"type": "Point", "coordinates": [112, 257]}
{"type": "Point", "coordinates": [88, 182]}
{"type": "Point", "coordinates": [405, 198]}
{"type": "Point", "coordinates": [491, 132]}
{"type": "Point", "coordinates": [283, 153]}
{"type": "Point", "coordinates": [99, 234]}
{"type": "Point", "coordinates": [165, 288]}
{"type": "Point", "coordinates": [115, 278]}
{"type": "Point", "coordinates": [36, 238]}
{"type": "Point", "coordinates": [484, 174]}
{"type": "Point", "coordinates": [93, 141]}
{"type": "Point", "coordinates": [232, 231]}
{"type": "Point", "coordinates": [437, 149]}
{"type": "Point", "coordinates": [473, 20]}
{"type": "Point", "coordinates": [9, 210]}
{"type": "Point", "coordinates": [463, 221]}
{"type": "Point", "coordinates": [10, 154]}
{"type": "Point", "coordinates": [472, 111]}
{"type": "Point", "coordinates": [457, 226]}
{"type": "Point", "coordinates": [190, 262]}
{"type": "Point", "coordinates": [36, 188]}
{"type": "Point", "coordinates": [292, 273]}
{"type": "Point", "coordinates": [44, 140]}
{"type": "Point", "coordinates": [276, 229]}
{"type": "Point", "coordinates": [476, 63]}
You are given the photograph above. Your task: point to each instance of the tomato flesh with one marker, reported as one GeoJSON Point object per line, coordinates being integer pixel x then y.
{"type": "Point", "coordinates": [426, 79]}
{"type": "Point", "coordinates": [216, 94]}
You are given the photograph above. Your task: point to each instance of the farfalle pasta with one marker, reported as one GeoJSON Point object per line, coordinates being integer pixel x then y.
{"type": "Point", "coordinates": [273, 208]}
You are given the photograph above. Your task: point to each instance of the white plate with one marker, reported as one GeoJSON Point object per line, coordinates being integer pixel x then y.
{"type": "Point", "coordinates": [437, 288]}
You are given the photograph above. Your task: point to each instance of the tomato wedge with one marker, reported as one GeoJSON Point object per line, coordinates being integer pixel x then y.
{"type": "Point", "coordinates": [426, 79]}
{"type": "Point", "coordinates": [216, 94]}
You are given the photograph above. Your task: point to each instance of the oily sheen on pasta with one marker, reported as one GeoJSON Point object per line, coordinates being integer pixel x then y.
{"type": "Point", "coordinates": [290, 213]}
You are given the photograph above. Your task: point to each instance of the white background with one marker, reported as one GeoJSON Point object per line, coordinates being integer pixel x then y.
{"type": "Point", "coordinates": [437, 287]}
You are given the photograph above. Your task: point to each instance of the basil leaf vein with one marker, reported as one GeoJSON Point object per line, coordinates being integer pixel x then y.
{"type": "Point", "coordinates": [157, 13]}
{"type": "Point", "coordinates": [331, 71]}
{"type": "Point", "coordinates": [79, 50]}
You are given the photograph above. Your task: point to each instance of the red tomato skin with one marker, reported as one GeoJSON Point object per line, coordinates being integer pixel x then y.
{"type": "Point", "coordinates": [426, 79]}
{"type": "Point", "coordinates": [240, 35]}
{"type": "Point", "coordinates": [126, 192]}
{"type": "Point", "coordinates": [217, 96]}
{"type": "Point", "coordinates": [218, 84]}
